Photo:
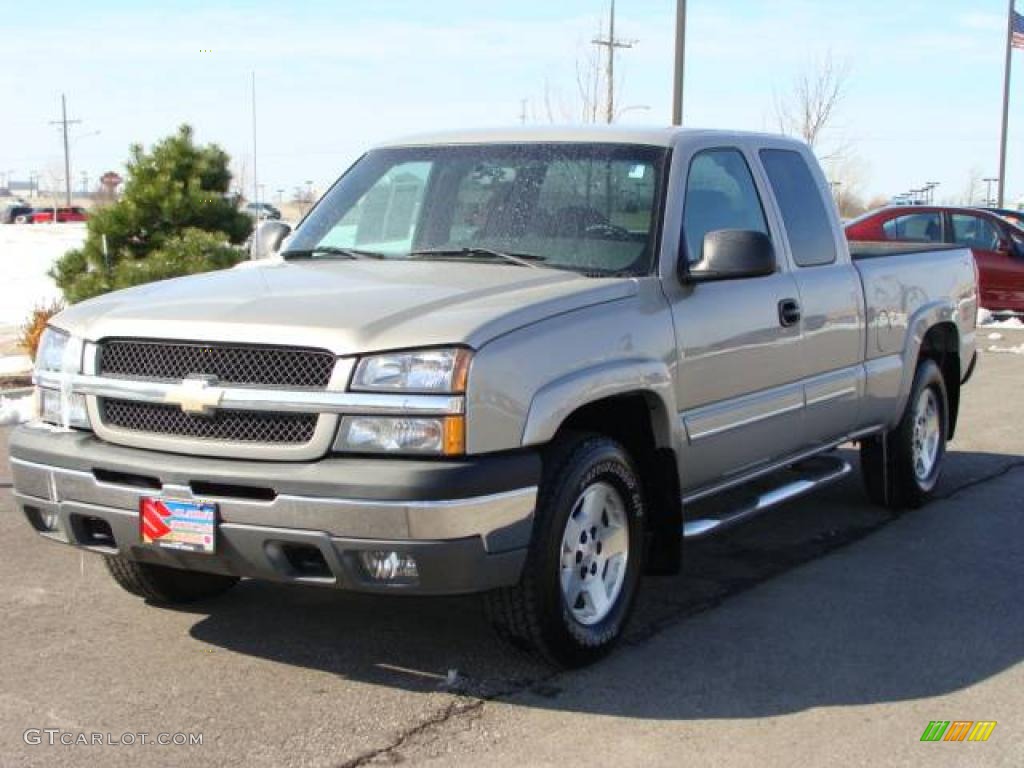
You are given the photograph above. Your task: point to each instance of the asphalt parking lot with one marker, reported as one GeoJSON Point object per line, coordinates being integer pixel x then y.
{"type": "Point", "coordinates": [824, 633]}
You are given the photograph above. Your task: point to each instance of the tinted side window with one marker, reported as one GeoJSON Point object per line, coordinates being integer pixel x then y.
{"type": "Point", "coordinates": [974, 232]}
{"type": "Point", "coordinates": [720, 194]}
{"type": "Point", "coordinates": [803, 212]}
{"type": "Point", "coordinates": [918, 227]}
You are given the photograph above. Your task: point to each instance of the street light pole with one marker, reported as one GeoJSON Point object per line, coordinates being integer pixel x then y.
{"type": "Point", "coordinates": [988, 191]}
{"type": "Point", "coordinates": [678, 81]}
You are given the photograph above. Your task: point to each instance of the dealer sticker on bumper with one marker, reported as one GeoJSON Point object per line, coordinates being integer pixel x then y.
{"type": "Point", "coordinates": [187, 525]}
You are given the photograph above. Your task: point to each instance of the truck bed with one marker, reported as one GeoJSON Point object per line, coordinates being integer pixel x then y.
{"type": "Point", "coordinates": [860, 249]}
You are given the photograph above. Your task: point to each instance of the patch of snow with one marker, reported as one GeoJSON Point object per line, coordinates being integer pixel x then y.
{"type": "Point", "coordinates": [11, 365]}
{"type": "Point", "coordinates": [1018, 350]}
{"type": "Point", "coordinates": [16, 410]}
{"type": "Point", "coordinates": [27, 251]}
{"type": "Point", "coordinates": [989, 319]}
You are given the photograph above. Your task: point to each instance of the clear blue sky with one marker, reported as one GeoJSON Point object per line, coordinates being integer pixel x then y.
{"type": "Point", "coordinates": [335, 76]}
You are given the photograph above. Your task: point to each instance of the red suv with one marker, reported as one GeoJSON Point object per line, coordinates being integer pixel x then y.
{"type": "Point", "coordinates": [997, 244]}
{"type": "Point", "coordinates": [45, 215]}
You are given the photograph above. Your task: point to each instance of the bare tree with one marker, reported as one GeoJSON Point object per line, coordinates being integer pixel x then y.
{"type": "Point", "coordinates": [972, 189]}
{"type": "Point", "coordinates": [593, 99]}
{"type": "Point", "coordinates": [847, 174]}
{"type": "Point", "coordinates": [583, 103]}
{"type": "Point", "coordinates": [810, 107]}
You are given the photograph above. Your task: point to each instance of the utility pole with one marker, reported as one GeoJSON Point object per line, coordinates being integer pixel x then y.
{"type": "Point", "coordinates": [611, 43]}
{"type": "Point", "coordinates": [64, 122]}
{"type": "Point", "coordinates": [1006, 103]}
{"type": "Point", "coordinates": [255, 181]}
{"type": "Point", "coordinates": [677, 94]}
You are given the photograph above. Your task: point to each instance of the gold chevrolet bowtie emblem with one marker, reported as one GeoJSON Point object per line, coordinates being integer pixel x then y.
{"type": "Point", "coordinates": [197, 395]}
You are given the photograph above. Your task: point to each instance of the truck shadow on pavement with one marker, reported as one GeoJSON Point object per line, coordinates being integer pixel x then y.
{"type": "Point", "coordinates": [930, 603]}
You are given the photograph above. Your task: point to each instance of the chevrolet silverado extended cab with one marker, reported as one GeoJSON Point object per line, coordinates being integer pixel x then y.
{"type": "Point", "coordinates": [528, 364]}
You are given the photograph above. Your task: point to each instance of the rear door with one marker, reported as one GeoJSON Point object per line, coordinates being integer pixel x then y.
{"type": "Point", "coordinates": [830, 294]}
{"type": "Point", "coordinates": [1000, 268]}
{"type": "Point", "coordinates": [738, 385]}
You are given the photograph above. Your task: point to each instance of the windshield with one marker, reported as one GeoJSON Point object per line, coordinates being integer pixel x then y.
{"type": "Point", "coordinates": [590, 208]}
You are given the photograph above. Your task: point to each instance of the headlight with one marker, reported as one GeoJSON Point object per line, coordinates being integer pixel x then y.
{"type": "Point", "coordinates": [424, 370]}
{"type": "Point", "coordinates": [440, 436]}
{"type": "Point", "coordinates": [60, 353]}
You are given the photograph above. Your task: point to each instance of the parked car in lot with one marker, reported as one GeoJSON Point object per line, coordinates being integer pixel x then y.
{"type": "Point", "coordinates": [45, 215]}
{"type": "Point", "coordinates": [16, 214]}
{"type": "Point", "coordinates": [262, 211]}
{"type": "Point", "coordinates": [527, 363]}
{"type": "Point", "coordinates": [998, 245]}
{"type": "Point", "coordinates": [1013, 216]}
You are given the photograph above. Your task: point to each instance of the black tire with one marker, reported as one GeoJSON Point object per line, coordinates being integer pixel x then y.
{"type": "Point", "coordinates": [533, 615]}
{"type": "Point", "coordinates": [893, 460]}
{"type": "Point", "coordinates": [171, 586]}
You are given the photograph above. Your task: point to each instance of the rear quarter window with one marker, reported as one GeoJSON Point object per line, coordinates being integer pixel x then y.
{"type": "Point", "coordinates": [803, 212]}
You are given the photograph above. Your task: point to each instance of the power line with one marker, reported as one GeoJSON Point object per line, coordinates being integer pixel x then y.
{"type": "Point", "coordinates": [64, 123]}
{"type": "Point", "coordinates": [611, 43]}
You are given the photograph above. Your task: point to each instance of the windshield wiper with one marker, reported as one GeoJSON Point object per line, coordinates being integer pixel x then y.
{"type": "Point", "coordinates": [330, 250]}
{"type": "Point", "coordinates": [521, 259]}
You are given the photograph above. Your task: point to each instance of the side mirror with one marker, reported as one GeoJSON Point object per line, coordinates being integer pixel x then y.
{"type": "Point", "coordinates": [267, 238]}
{"type": "Point", "coordinates": [730, 254]}
{"type": "Point", "coordinates": [1004, 247]}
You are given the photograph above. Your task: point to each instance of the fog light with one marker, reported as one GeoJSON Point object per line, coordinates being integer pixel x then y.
{"type": "Point", "coordinates": [393, 567]}
{"type": "Point", "coordinates": [55, 409]}
{"type": "Point", "coordinates": [50, 519]}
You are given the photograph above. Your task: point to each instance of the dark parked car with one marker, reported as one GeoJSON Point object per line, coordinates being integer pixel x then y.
{"type": "Point", "coordinates": [16, 214]}
{"type": "Point", "coordinates": [262, 211]}
{"type": "Point", "coordinates": [1014, 217]}
{"type": "Point", "coordinates": [997, 244]}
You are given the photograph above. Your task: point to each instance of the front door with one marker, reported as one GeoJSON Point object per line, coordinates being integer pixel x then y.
{"type": "Point", "coordinates": [738, 385]}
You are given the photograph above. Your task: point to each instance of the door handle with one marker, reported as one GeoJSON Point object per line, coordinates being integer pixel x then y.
{"type": "Point", "coordinates": [789, 312]}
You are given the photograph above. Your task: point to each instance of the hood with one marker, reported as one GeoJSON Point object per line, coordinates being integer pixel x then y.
{"type": "Point", "coordinates": [348, 307]}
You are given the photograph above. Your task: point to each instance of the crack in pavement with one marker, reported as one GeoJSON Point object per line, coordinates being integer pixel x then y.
{"type": "Point", "coordinates": [679, 611]}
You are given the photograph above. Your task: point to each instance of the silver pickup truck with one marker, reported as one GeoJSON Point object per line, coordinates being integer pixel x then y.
{"type": "Point", "coordinates": [527, 363]}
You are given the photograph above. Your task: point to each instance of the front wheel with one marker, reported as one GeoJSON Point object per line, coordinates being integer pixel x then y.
{"type": "Point", "coordinates": [583, 568]}
{"type": "Point", "coordinates": [902, 472]}
{"type": "Point", "coordinates": [170, 586]}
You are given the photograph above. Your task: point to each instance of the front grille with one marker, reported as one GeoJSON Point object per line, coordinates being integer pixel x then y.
{"type": "Point", "coordinates": [254, 365]}
{"type": "Point", "coordinates": [227, 425]}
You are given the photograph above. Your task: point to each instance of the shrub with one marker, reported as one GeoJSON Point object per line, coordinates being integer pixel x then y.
{"type": "Point", "coordinates": [174, 213]}
{"type": "Point", "coordinates": [33, 328]}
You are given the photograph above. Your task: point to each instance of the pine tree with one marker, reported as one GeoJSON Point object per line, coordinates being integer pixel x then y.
{"type": "Point", "coordinates": [174, 219]}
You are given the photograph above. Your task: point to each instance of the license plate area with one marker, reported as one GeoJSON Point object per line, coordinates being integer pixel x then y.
{"type": "Point", "coordinates": [189, 526]}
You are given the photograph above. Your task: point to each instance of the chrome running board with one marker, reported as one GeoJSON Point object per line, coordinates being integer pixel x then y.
{"type": "Point", "coordinates": [814, 474]}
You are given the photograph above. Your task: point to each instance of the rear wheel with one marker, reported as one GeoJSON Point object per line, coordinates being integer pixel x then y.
{"type": "Point", "coordinates": [166, 585]}
{"type": "Point", "coordinates": [901, 472]}
{"type": "Point", "coordinates": [583, 568]}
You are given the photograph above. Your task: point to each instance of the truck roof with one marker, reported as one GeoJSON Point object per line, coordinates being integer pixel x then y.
{"type": "Point", "coordinates": [597, 134]}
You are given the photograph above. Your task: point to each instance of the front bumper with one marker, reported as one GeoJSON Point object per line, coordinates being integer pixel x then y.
{"type": "Point", "coordinates": [467, 523]}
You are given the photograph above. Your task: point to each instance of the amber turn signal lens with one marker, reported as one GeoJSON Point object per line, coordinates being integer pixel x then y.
{"type": "Point", "coordinates": [454, 435]}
